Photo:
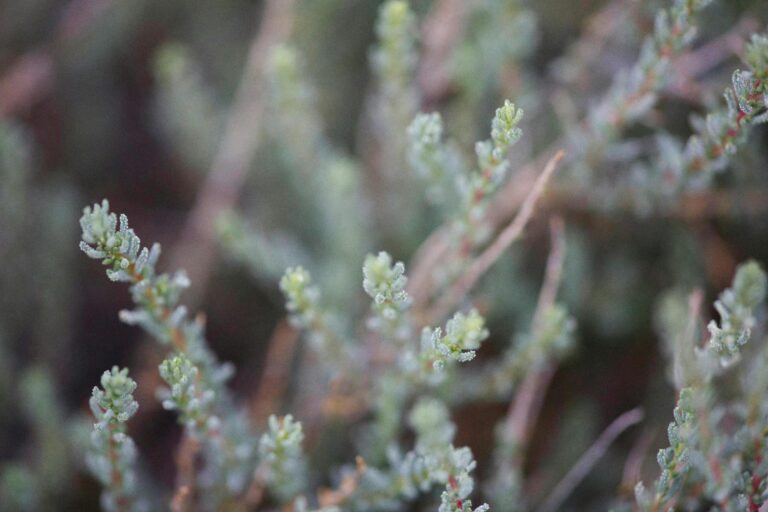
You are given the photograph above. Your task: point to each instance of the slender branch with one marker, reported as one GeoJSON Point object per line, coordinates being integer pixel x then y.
{"type": "Point", "coordinates": [633, 466]}
{"type": "Point", "coordinates": [492, 253]}
{"type": "Point", "coordinates": [196, 245]}
{"type": "Point", "coordinates": [525, 408]}
{"type": "Point", "coordinates": [554, 271]}
{"type": "Point", "coordinates": [587, 461]}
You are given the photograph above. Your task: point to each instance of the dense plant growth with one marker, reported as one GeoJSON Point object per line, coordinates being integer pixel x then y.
{"type": "Point", "coordinates": [422, 386]}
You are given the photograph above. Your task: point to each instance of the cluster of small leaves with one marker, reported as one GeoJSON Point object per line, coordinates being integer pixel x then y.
{"type": "Point", "coordinates": [736, 307]}
{"type": "Point", "coordinates": [112, 456]}
{"type": "Point", "coordinates": [282, 458]}
{"type": "Point", "coordinates": [155, 295]}
{"type": "Point", "coordinates": [491, 160]}
{"type": "Point", "coordinates": [709, 457]}
{"type": "Point", "coordinates": [195, 376]}
{"type": "Point", "coordinates": [394, 59]}
{"type": "Point", "coordinates": [674, 460]}
{"type": "Point", "coordinates": [719, 135]}
{"type": "Point", "coordinates": [445, 464]}
{"type": "Point", "coordinates": [385, 281]}
{"type": "Point", "coordinates": [433, 461]}
{"type": "Point", "coordinates": [228, 442]}
{"type": "Point", "coordinates": [187, 396]}
{"type": "Point", "coordinates": [463, 335]}
{"type": "Point", "coordinates": [633, 94]}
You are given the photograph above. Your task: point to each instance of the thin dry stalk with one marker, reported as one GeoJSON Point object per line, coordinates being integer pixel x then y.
{"type": "Point", "coordinates": [488, 257]}
{"type": "Point", "coordinates": [524, 409]}
{"type": "Point", "coordinates": [587, 461]}
{"type": "Point", "coordinates": [554, 271]}
{"type": "Point", "coordinates": [633, 467]}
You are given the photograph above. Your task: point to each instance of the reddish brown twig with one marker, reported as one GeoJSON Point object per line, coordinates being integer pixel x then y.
{"type": "Point", "coordinates": [587, 461]}
{"type": "Point", "coordinates": [524, 409]}
{"type": "Point", "coordinates": [195, 250]}
{"type": "Point", "coordinates": [633, 467]}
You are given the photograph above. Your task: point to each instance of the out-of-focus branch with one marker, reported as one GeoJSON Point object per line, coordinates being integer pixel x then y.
{"type": "Point", "coordinates": [554, 271]}
{"type": "Point", "coordinates": [441, 31]}
{"type": "Point", "coordinates": [186, 455]}
{"type": "Point", "coordinates": [28, 79]}
{"type": "Point", "coordinates": [511, 196]}
{"type": "Point", "coordinates": [195, 250]}
{"type": "Point", "coordinates": [488, 257]}
{"type": "Point", "coordinates": [633, 466]}
{"type": "Point", "coordinates": [524, 409]}
{"type": "Point", "coordinates": [275, 378]}
{"type": "Point", "coordinates": [31, 76]}
{"type": "Point", "coordinates": [587, 461]}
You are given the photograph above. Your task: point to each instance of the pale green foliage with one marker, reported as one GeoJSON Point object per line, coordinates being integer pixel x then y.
{"type": "Point", "coordinates": [186, 395]}
{"type": "Point", "coordinates": [674, 460]}
{"type": "Point", "coordinates": [705, 451]}
{"type": "Point", "coordinates": [156, 296]}
{"type": "Point", "coordinates": [388, 369]}
{"type": "Point", "coordinates": [736, 307]}
{"type": "Point", "coordinates": [719, 135]}
{"type": "Point", "coordinates": [433, 461]}
{"type": "Point", "coordinates": [463, 335]}
{"type": "Point", "coordinates": [194, 374]}
{"type": "Point", "coordinates": [444, 463]}
{"type": "Point", "coordinates": [282, 457]}
{"type": "Point", "coordinates": [395, 57]}
{"type": "Point", "coordinates": [302, 297]}
{"type": "Point", "coordinates": [491, 155]}
{"type": "Point", "coordinates": [385, 283]}
{"type": "Point", "coordinates": [634, 93]}
{"type": "Point", "coordinates": [112, 457]}
{"type": "Point", "coordinates": [263, 253]}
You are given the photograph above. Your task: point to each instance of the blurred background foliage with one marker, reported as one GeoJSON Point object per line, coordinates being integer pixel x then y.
{"type": "Point", "coordinates": [128, 100]}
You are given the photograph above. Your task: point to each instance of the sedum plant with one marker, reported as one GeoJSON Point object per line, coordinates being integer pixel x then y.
{"type": "Point", "coordinates": [394, 383]}
{"type": "Point", "coordinates": [112, 458]}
